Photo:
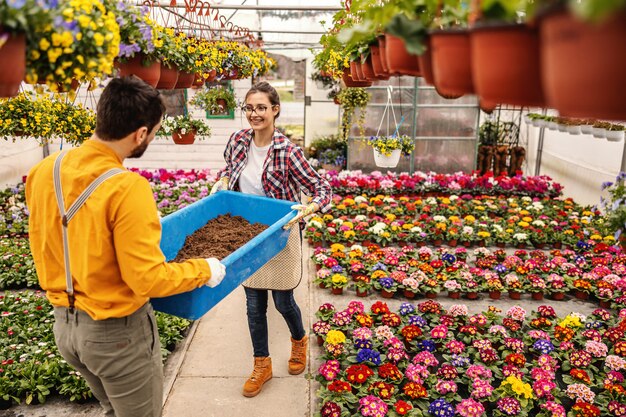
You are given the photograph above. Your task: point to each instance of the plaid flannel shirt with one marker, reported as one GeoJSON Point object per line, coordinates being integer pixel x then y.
{"type": "Point", "coordinates": [286, 171]}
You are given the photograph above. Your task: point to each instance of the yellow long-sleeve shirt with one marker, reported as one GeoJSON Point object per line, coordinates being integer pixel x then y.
{"type": "Point", "coordinates": [116, 261]}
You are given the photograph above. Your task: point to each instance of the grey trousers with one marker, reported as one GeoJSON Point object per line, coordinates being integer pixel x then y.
{"type": "Point", "coordinates": [119, 358]}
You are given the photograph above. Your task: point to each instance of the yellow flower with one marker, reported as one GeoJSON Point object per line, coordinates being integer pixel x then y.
{"type": "Point", "coordinates": [337, 247]}
{"type": "Point", "coordinates": [335, 337]}
{"type": "Point", "coordinates": [44, 44]}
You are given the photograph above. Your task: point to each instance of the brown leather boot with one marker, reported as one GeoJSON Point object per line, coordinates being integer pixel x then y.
{"type": "Point", "coordinates": [261, 373]}
{"type": "Point", "coordinates": [297, 362]}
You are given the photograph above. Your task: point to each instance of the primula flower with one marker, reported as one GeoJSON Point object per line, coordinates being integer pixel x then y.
{"type": "Point", "coordinates": [509, 406]}
{"type": "Point", "coordinates": [470, 408]}
{"type": "Point", "coordinates": [335, 337]}
{"type": "Point", "coordinates": [368, 355]}
{"type": "Point", "coordinates": [372, 406]}
{"type": "Point", "coordinates": [330, 369]}
{"type": "Point", "coordinates": [414, 390]}
{"type": "Point", "coordinates": [402, 407]}
{"type": "Point", "coordinates": [441, 408]}
{"type": "Point", "coordinates": [580, 392]}
{"type": "Point", "coordinates": [481, 389]}
{"type": "Point", "coordinates": [358, 374]}
{"type": "Point", "coordinates": [331, 409]}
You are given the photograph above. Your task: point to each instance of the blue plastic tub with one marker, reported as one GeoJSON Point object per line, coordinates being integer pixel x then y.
{"type": "Point", "coordinates": [242, 263]}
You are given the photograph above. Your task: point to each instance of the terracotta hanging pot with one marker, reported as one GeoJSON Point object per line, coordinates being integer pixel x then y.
{"type": "Point", "coordinates": [382, 46]}
{"type": "Point", "coordinates": [368, 69]}
{"type": "Point", "coordinates": [505, 64]}
{"type": "Point", "coordinates": [354, 73]}
{"type": "Point", "coordinates": [349, 82]}
{"type": "Point", "coordinates": [185, 79]}
{"type": "Point", "coordinates": [13, 58]}
{"type": "Point", "coordinates": [426, 63]}
{"type": "Point", "coordinates": [359, 71]}
{"type": "Point", "coordinates": [150, 73]}
{"type": "Point", "coordinates": [451, 61]}
{"type": "Point", "coordinates": [198, 81]}
{"type": "Point", "coordinates": [169, 77]}
{"type": "Point", "coordinates": [583, 65]}
{"type": "Point", "coordinates": [186, 139]}
{"type": "Point", "coordinates": [398, 59]}
{"type": "Point", "coordinates": [212, 75]}
{"type": "Point", "coordinates": [377, 65]}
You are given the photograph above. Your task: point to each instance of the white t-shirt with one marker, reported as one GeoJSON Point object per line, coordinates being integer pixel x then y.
{"type": "Point", "coordinates": [250, 179]}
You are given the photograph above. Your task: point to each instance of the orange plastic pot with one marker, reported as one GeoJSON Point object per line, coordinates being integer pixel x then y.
{"type": "Point", "coordinates": [506, 65]}
{"type": "Point", "coordinates": [399, 60]}
{"type": "Point", "coordinates": [150, 73]}
{"type": "Point", "coordinates": [583, 65]}
{"type": "Point", "coordinates": [13, 70]}
{"type": "Point", "coordinates": [451, 62]}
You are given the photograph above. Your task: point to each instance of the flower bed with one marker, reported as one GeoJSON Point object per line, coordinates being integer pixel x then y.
{"type": "Point", "coordinates": [355, 183]}
{"type": "Point", "coordinates": [424, 360]}
{"type": "Point", "coordinates": [31, 367]}
{"type": "Point", "coordinates": [465, 220]}
{"type": "Point", "coordinates": [593, 270]}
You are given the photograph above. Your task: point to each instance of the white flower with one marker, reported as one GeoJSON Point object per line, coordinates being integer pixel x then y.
{"type": "Point", "coordinates": [356, 248]}
{"type": "Point", "coordinates": [360, 218]}
{"type": "Point", "coordinates": [337, 221]}
{"type": "Point", "coordinates": [316, 224]}
{"type": "Point", "coordinates": [360, 199]}
{"type": "Point", "coordinates": [416, 229]}
{"type": "Point", "coordinates": [454, 197]}
{"type": "Point", "coordinates": [527, 199]}
{"type": "Point", "coordinates": [520, 237]}
{"type": "Point", "coordinates": [468, 230]}
{"type": "Point", "coordinates": [388, 199]}
{"type": "Point", "coordinates": [439, 218]}
{"type": "Point", "coordinates": [539, 223]}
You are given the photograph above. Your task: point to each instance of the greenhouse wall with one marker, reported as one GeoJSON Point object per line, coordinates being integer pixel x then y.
{"type": "Point", "coordinates": [581, 163]}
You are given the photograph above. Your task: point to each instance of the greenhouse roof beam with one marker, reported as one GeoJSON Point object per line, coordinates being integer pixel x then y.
{"type": "Point", "coordinates": [255, 7]}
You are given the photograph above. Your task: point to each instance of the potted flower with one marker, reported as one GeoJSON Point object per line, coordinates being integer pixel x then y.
{"type": "Point", "coordinates": [535, 285]}
{"type": "Point", "coordinates": [215, 100]}
{"type": "Point", "coordinates": [388, 149]}
{"type": "Point", "coordinates": [138, 39]}
{"type": "Point", "coordinates": [184, 129]}
{"type": "Point", "coordinates": [17, 19]}
{"type": "Point", "coordinates": [60, 57]}
{"type": "Point", "coordinates": [362, 284]}
{"type": "Point", "coordinates": [350, 100]}
{"type": "Point", "coordinates": [338, 282]}
{"type": "Point", "coordinates": [614, 207]}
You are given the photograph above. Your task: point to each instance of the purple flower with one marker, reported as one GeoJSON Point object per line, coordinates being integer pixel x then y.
{"type": "Point", "coordinates": [368, 355]}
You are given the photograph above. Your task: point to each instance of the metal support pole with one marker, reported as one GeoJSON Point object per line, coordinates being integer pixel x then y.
{"type": "Point", "coordinates": [414, 127]}
{"type": "Point", "coordinates": [477, 141]}
{"type": "Point", "coordinates": [540, 147]}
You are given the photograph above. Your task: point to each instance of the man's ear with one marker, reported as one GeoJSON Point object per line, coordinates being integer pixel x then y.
{"type": "Point", "coordinates": [141, 135]}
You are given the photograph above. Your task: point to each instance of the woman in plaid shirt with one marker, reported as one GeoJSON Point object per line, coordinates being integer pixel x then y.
{"type": "Point", "coordinates": [262, 161]}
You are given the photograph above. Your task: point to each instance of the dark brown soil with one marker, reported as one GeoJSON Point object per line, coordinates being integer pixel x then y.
{"type": "Point", "coordinates": [219, 238]}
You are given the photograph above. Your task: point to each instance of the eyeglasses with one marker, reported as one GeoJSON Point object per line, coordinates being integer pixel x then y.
{"type": "Point", "coordinates": [260, 109]}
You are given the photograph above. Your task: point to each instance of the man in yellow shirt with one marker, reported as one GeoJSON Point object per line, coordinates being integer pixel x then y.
{"type": "Point", "coordinates": [98, 257]}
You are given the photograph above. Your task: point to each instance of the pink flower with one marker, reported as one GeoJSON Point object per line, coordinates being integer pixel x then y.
{"type": "Point", "coordinates": [470, 408]}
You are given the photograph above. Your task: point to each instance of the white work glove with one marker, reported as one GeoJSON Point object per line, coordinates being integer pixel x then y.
{"type": "Point", "coordinates": [303, 211]}
{"type": "Point", "coordinates": [218, 270]}
{"type": "Point", "coordinates": [220, 185]}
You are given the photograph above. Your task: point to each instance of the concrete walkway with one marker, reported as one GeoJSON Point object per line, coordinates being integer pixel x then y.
{"type": "Point", "coordinates": [204, 376]}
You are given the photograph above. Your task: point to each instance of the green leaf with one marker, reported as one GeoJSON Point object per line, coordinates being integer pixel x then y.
{"type": "Point", "coordinates": [411, 31]}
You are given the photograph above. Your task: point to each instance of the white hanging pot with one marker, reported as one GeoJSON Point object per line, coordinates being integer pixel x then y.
{"type": "Point", "coordinates": [385, 161]}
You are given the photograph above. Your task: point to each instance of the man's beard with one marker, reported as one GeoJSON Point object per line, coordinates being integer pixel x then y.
{"type": "Point", "coordinates": [139, 150]}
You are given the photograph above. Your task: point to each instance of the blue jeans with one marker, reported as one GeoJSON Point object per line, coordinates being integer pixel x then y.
{"type": "Point", "coordinates": [256, 304]}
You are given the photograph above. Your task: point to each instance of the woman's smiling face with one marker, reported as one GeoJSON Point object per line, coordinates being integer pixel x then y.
{"type": "Point", "coordinates": [264, 113]}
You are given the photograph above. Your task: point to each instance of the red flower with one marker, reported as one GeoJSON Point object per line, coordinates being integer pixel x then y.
{"type": "Point", "coordinates": [358, 374]}
{"type": "Point", "coordinates": [390, 371]}
{"type": "Point", "coordinates": [380, 307]}
{"type": "Point", "coordinates": [339, 386]}
{"type": "Point", "coordinates": [402, 407]}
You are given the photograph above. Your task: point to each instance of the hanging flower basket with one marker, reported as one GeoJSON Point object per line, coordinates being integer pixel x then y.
{"type": "Point", "coordinates": [505, 64]}
{"type": "Point", "coordinates": [184, 139]}
{"type": "Point", "coordinates": [150, 73]}
{"type": "Point", "coordinates": [426, 63]}
{"type": "Point", "coordinates": [583, 65]}
{"type": "Point", "coordinates": [398, 59]}
{"type": "Point", "coordinates": [385, 161]}
{"type": "Point", "coordinates": [350, 82]}
{"type": "Point", "coordinates": [451, 61]}
{"type": "Point", "coordinates": [377, 64]}
{"type": "Point", "coordinates": [168, 78]}
{"type": "Point", "coordinates": [185, 80]}
{"type": "Point", "coordinates": [13, 56]}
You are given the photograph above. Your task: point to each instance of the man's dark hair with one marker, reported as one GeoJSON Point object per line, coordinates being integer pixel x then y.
{"type": "Point", "coordinates": [126, 104]}
{"type": "Point", "coordinates": [272, 94]}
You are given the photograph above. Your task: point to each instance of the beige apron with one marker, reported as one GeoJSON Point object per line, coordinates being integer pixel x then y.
{"type": "Point", "coordinates": [284, 271]}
